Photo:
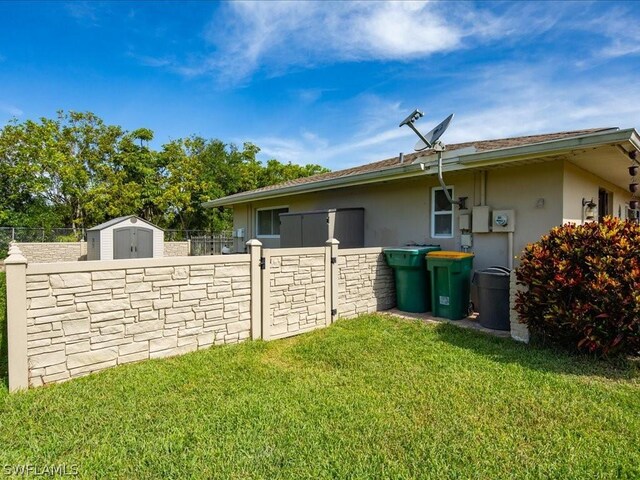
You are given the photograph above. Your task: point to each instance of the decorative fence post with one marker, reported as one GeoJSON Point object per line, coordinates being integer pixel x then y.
{"type": "Point", "coordinates": [16, 268]}
{"type": "Point", "coordinates": [255, 253]}
{"type": "Point", "coordinates": [332, 278]}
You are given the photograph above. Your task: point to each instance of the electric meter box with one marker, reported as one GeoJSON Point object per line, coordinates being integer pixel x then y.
{"type": "Point", "coordinates": [503, 220]}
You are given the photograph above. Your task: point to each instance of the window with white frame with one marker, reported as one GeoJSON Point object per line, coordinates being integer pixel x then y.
{"type": "Point", "coordinates": [441, 213]}
{"type": "Point", "coordinates": [268, 221]}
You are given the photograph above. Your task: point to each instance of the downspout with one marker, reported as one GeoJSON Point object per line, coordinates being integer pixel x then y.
{"type": "Point", "coordinates": [249, 235]}
{"type": "Point", "coordinates": [439, 149]}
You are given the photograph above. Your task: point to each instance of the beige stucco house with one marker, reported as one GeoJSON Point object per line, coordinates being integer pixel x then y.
{"type": "Point", "coordinates": [514, 190]}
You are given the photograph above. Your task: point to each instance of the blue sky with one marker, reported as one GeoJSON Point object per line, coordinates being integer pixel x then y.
{"type": "Point", "coordinates": [324, 82]}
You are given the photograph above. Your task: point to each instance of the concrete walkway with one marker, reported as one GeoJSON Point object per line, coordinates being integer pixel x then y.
{"type": "Point", "coordinates": [469, 322]}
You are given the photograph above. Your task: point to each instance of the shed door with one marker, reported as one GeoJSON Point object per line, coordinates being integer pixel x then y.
{"type": "Point", "coordinates": [144, 242]}
{"type": "Point", "coordinates": [132, 242]}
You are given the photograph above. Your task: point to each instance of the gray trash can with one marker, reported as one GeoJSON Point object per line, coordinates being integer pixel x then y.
{"type": "Point", "coordinates": [493, 297]}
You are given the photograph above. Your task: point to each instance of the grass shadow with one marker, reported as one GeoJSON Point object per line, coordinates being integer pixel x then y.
{"type": "Point", "coordinates": [538, 357]}
{"type": "Point", "coordinates": [4, 346]}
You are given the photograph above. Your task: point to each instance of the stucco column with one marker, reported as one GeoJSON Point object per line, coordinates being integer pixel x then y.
{"type": "Point", "coordinates": [332, 278]}
{"type": "Point", "coordinates": [519, 331]}
{"type": "Point", "coordinates": [255, 252]}
{"type": "Point", "coordinates": [16, 268]}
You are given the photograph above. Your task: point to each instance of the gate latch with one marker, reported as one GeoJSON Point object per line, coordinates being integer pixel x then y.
{"type": "Point", "coordinates": [263, 263]}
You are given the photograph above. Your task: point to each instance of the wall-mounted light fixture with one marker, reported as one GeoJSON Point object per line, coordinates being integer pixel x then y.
{"type": "Point", "coordinates": [589, 207]}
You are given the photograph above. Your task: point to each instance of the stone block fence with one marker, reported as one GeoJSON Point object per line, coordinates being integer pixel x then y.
{"type": "Point", "coordinates": [177, 249]}
{"type": "Point", "coordinates": [54, 252]}
{"type": "Point", "coordinates": [66, 320]}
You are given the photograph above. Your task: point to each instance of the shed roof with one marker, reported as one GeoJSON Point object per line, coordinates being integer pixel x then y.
{"type": "Point", "coordinates": [115, 221]}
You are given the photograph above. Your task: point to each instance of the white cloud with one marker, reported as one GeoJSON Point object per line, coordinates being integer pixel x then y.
{"type": "Point", "coordinates": [622, 32]}
{"type": "Point", "coordinates": [274, 36]}
{"type": "Point", "coordinates": [497, 102]}
{"type": "Point", "coordinates": [309, 95]}
{"type": "Point", "coordinates": [361, 149]}
{"type": "Point", "coordinates": [371, 130]}
{"type": "Point", "coordinates": [151, 61]}
{"type": "Point", "coordinates": [523, 100]}
{"type": "Point", "coordinates": [356, 151]}
{"type": "Point", "coordinates": [87, 13]}
{"type": "Point", "coordinates": [11, 110]}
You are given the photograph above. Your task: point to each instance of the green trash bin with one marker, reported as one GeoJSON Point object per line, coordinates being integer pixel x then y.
{"type": "Point", "coordinates": [450, 274]}
{"type": "Point", "coordinates": [411, 276]}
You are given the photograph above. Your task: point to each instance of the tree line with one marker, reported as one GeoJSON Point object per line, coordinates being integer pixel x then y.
{"type": "Point", "coordinates": [77, 171]}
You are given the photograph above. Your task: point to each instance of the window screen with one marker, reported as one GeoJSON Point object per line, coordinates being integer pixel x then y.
{"type": "Point", "coordinates": [441, 213]}
{"type": "Point", "coordinates": [269, 221]}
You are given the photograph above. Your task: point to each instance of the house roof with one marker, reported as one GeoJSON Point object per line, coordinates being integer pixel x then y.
{"type": "Point", "coordinates": [378, 171]}
{"type": "Point", "coordinates": [115, 221]}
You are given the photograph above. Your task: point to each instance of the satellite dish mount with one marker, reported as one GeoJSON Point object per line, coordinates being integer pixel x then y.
{"type": "Point", "coordinates": [431, 141]}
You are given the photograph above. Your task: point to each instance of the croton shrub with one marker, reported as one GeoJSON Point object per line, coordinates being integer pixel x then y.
{"type": "Point", "coordinates": [583, 287]}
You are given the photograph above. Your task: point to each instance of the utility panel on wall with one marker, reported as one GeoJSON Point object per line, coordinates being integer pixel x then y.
{"type": "Point", "coordinates": [480, 219]}
{"type": "Point", "coordinates": [464, 221]}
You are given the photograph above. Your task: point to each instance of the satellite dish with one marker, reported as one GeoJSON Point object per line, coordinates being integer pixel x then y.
{"type": "Point", "coordinates": [434, 135]}
{"type": "Point", "coordinates": [431, 141]}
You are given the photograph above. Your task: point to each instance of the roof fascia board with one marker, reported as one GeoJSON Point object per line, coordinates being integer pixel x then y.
{"type": "Point", "coordinates": [635, 140]}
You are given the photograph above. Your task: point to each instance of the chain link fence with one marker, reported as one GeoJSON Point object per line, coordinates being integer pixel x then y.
{"type": "Point", "coordinates": [34, 235]}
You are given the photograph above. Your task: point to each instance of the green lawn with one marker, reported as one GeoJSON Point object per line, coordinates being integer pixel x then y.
{"type": "Point", "coordinates": [375, 397]}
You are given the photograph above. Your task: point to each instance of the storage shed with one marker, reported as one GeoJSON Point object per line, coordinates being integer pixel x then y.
{"type": "Point", "coordinates": [123, 238]}
{"type": "Point", "coordinates": [314, 228]}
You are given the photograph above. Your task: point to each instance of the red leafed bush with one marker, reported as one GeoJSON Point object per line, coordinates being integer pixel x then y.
{"type": "Point", "coordinates": [583, 287]}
